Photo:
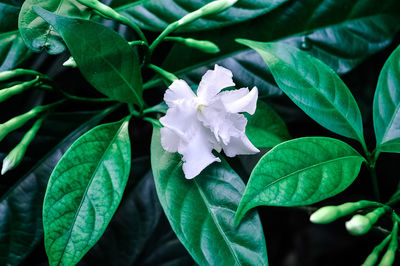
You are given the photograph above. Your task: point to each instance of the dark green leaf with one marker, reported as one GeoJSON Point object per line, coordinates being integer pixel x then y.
{"type": "Point", "coordinates": [12, 49]}
{"type": "Point", "coordinates": [201, 211]}
{"type": "Point", "coordinates": [265, 128]}
{"type": "Point", "coordinates": [84, 191]}
{"type": "Point", "coordinates": [390, 146]}
{"type": "Point", "coordinates": [156, 15]}
{"type": "Point", "coordinates": [139, 233]}
{"type": "Point", "coordinates": [386, 107]}
{"type": "Point", "coordinates": [21, 225]}
{"type": "Point", "coordinates": [105, 59]}
{"type": "Point", "coordinates": [312, 86]}
{"type": "Point", "coordinates": [37, 33]}
{"type": "Point", "coordinates": [300, 172]}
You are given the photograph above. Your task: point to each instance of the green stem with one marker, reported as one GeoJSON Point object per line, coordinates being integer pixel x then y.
{"type": "Point", "coordinates": [162, 72]}
{"type": "Point", "coordinates": [374, 181]}
{"type": "Point", "coordinates": [84, 99]}
{"type": "Point", "coordinates": [166, 31]}
{"type": "Point", "coordinates": [133, 43]}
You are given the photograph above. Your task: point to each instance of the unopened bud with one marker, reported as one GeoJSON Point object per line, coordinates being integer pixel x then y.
{"type": "Point", "coordinates": [361, 224]}
{"type": "Point", "coordinates": [209, 9]}
{"type": "Point", "coordinates": [10, 74]}
{"type": "Point", "coordinates": [16, 89]}
{"type": "Point", "coordinates": [372, 258]}
{"type": "Point", "coordinates": [70, 63]}
{"type": "Point", "coordinates": [204, 46]}
{"type": "Point", "coordinates": [390, 254]}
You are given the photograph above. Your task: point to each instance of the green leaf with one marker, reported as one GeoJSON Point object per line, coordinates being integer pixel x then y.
{"type": "Point", "coordinates": [156, 15]}
{"type": "Point", "coordinates": [21, 228]}
{"type": "Point", "coordinates": [312, 86]}
{"type": "Point", "coordinates": [84, 191]}
{"type": "Point", "coordinates": [265, 128]}
{"type": "Point", "coordinates": [12, 49]}
{"type": "Point", "coordinates": [201, 211]}
{"type": "Point", "coordinates": [105, 58]}
{"type": "Point", "coordinates": [386, 107]}
{"type": "Point", "coordinates": [37, 33]}
{"type": "Point", "coordinates": [300, 172]}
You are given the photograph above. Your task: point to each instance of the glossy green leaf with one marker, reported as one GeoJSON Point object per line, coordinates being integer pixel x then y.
{"type": "Point", "coordinates": [105, 59]}
{"type": "Point", "coordinates": [300, 172]}
{"type": "Point", "coordinates": [37, 33]}
{"type": "Point", "coordinates": [201, 211]}
{"type": "Point", "coordinates": [12, 48]}
{"type": "Point", "coordinates": [265, 128]}
{"type": "Point", "coordinates": [84, 191]}
{"type": "Point", "coordinates": [21, 227]}
{"type": "Point", "coordinates": [139, 233]}
{"type": "Point", "coordinates": [390, 146]}
{"type": "Point", "coordinates": [156, 15]}
{"type": "Point", "coordinates": [312, 86]}
{"type": "Point", "coordinates": [386, 108]}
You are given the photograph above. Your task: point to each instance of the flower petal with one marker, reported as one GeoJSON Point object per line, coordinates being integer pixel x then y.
{"type": "Point", "coordinates": [197, 153]}
{"type": "Point", "coordinates": [242, 100]}
{"type": "Point", "coordinates": [169, 140]}
{"type": "Point", "coordinates": [178, 91]}
{"type": "Point", "coordinates": [213, 82]}
{"type": "Point", "coordinates": [239, 145]}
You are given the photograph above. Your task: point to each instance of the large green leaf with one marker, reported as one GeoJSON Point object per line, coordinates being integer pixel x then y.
{"type": "Point", "coordinates": [21, 207]}
{"type": "Point", "coordinates": [37, 33]}
{"type": "Point", "coordinates": [84, 191]}
{"type": "Point", "coordinates": [312, 86]}
{"type": "Point", "coordinates": [105, 59]}
{"type": "Point", "coordinates": [12, 49]}
{"type": "Point", "coordinates": [386, 108]}
{"type": "Point", "coordinates": [139, 233]}
{"type": "Point", "coordinates": [265, 128]}
{"type": "Point", "coordinates": [201, 211]}
{"type": "Point", "coordinates": [300, 172]}
{"type": "Point", "coordinates": [156, 15]}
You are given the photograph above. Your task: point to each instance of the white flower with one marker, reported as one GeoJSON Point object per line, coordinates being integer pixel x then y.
{"type": "Point", "coordinates": [197, 124]}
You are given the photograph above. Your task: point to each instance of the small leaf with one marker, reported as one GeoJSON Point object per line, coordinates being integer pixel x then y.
{"type": "Point", "coordinates": [265, 128]}
{"type": "Point", "coordinates": [37, 33]}
{"type": "Point", "coordinates": [201, 211]}
{"type": "Point", "coordinates": [105, 58]}
{"type": "Point", "coordinates": [312, 86]}
{"type": "Point", "coordinates": [386, 108]}
{"type": "Point", "coordinates": [300, 172]}
{"type": "Point", "coordinates": [84, 191]}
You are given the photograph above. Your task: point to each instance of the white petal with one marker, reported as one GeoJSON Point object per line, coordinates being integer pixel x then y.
{"type": "Point", "coordinates": [224, 125]}
{"type": "Point", "coordinates": [239, 145]}
{"type": "Point", "coordinates": [180, 118]}
{"type": "Point", "coordinates": [197, 153]}
{"type": "Point", "coordinates": [213, 82]}
{"type": "Point", "coordinates": [169, 140]}
{"type": "Point", "coordinates": [178, 91]}
{"type": "Point", "coordinates": [238, 101]}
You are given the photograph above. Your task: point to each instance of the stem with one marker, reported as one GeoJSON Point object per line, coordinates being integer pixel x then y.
{"type": "Point", "coordinates": [374, 180]}
{"type": "Point", "coordinates": [132, 43]}
{"type": "Point", "coordinates": [84, 99]}
{"type": "Point", "coordinates": [153, 121]}
{"type": "Point", "coordinates": [165, 74]}
{"type": "Point", "coordinates": [168, 30]}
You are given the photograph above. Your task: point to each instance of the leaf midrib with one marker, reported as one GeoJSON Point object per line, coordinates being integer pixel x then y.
{"type": "Point", "coordinates": [226, 240]}
{"type": "Point", "coordinates": [86, 190]}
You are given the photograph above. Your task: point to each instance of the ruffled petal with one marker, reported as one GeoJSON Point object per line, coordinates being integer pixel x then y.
{"type": "Point", "coordinates": [169, 140]}
{"type": "Point", "coordinates": [239, 145]}
{"type": "Point", "coordinates": [197, 153]}
{"type": "Point", "coordinates": [177, 92]}
{"type": "Point", "coordinates": [213, 82]}
{"type": "Point", "coordinates": [237, 101]}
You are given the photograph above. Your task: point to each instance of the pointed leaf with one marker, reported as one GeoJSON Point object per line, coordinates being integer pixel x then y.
{"type": "Point", "coordinates": [312, 86]}
{"type": "Point", "coordinates": [21, 207]}
{"type": "Point", "coordinates": [37, 33]}
{"type": "Point", "coordinates": [265, 128]}
{"type": "Point", "coordinates": [201, 211]}
{"type": "Point", "coordinates": [386, 107]}
{"type": "Point", "coordinates": [105, 58]}
{"type": "Point", "coordinates": [300, 172]}
{"type": "Point", "coordinates": [84, 191]}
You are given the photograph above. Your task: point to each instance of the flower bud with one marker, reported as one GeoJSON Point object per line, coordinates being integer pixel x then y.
{"type": "Point", "coordinates": [70, 63]}
{"type": "Point", "coordinates": [209, 9]}
{"type": "Point", "coordinates": [361, 224]}
{"type": "Point", "coordinates": [204, 46]}
{"type": "Point", "coordinates": [16, 89]}
{"type": "Point", "coordinates": [9, 74]}
{"type": "Point", "coordinates": [390, 254]}
{"type": "Point", "coordinates": [18, 121]}
{"type": "Point", "coordinates": [14, 158]}
{"type": "Point", "coordinates": [329, 214]}
{"type": "Point", "coordinates": [372, 258]}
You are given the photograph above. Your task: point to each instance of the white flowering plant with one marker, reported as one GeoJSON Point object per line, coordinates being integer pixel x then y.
{"type": "Point", "coordinates": [199, 132]}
